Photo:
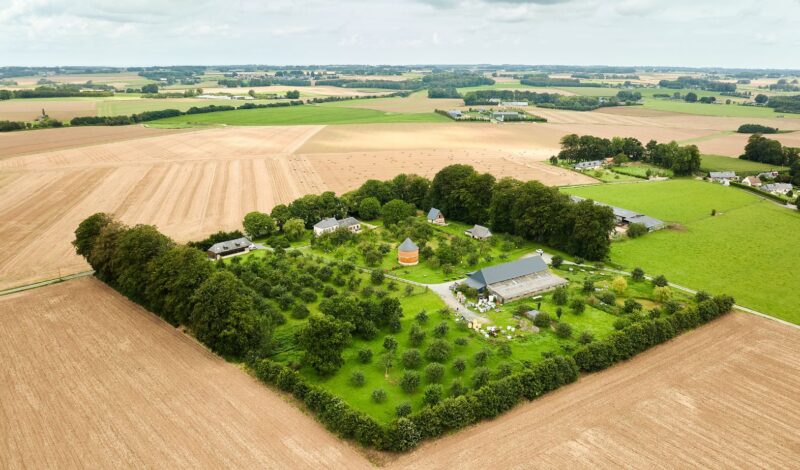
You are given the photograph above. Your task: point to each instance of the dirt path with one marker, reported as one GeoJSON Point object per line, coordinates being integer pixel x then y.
{"type": "Point", "coordinates": [90, 380]}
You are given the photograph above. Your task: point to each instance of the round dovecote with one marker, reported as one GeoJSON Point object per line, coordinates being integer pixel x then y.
{"type": "Point", "coordinates": [408, 253]}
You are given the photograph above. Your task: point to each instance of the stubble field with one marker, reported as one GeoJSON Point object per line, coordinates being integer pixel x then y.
{"type": "Point", "coordinates": [90, 380]}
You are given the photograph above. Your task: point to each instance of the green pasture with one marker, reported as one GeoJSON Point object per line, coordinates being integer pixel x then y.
{"type": "Point", "coordinates": [722, 163]}
{"type": "Point", "coordinates": [297, 115]}
{"type": "Point", "coordinates": [747, 249]}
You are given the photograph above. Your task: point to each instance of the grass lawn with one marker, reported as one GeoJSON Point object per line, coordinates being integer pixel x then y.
{"type": "Point", "coordinates": [722, 163]}
{"type": "Point", "coordinates": [747, 250]}
{"type": "Point", "coordinates": [297, 115]}
{"type": "Point", "coordinates": [640, 170]}
{"type": "Point", "coordinates": [118, 107]}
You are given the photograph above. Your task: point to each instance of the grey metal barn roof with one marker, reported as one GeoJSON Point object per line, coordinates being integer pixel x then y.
{"type": "Point", "coordinates": [722, 174]}
{"type": "Point", "coordinates": [649, 222]}
{"type": "Point", "coordinates": [407, 246]}
{"type": "Point", "coordinates": [433, 213]}
{"type": "Point", "coordinates": [230, 245]}
{"type": "Point", "coordinates": [332, 222]}
{"type": "Point", "coordinates": [480, 231]}
{"type": "Point", "coordinates": [503, 272]}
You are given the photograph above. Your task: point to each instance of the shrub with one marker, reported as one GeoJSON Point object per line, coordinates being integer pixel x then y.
{"type": "Point", "coordinates": [365, 356]}
{"type": "Point", "coordinates": [357, 378]}
{"type": "Point", "coordinates": [556, 261]}
{"type": "Point", "coordinates": [480, 377]}
{"type": "Point", "coordinates": [411, 359]}
{"type": "Point", "coordinates": [457, 388]}
{"type": "Point", "coordinates": [662, 294]}
{"type": "Point", "coordinates": [416, 336]}
{"type": "Point", "coordinates": [379, 395]}
{"type": "Point", "coordinates": [577, 306]}
{"type": "Point", "coordinates": [410, 381]}
{"type": "Point", "coordinates": [586, 337]}
{"type": "Point", "coordinates": [434, 372]}
{"type": "Point", "coordinates": [504, 350]}
{"type": "Point", "coordinates": [422, 317]}
{"type": "Point", "coordinates": [459, 365]}
{"type": "Point", "coordinates": [542, 320]}
{"type": "Point", "coordinates": [560, 296]}
{"type": "Point", "coordinates": [389, 343]}
{"type": "Point", "coordinates": [588, 286]}
{"type": "Point", "coordinates": [308, 295]}
{"type": "Point", "coordinates": [563, 330]}
{"type": "Point", "coordinates": [579, 260]}
{"type": "Point", "coordinates": [660, 281]}
{"type": "Point", "coordinates": [631, 306]}
{"type": "Point", "coordinates": [438, 351]}
{"type": "Point", "coordinates": [376, 277]}
{"type": "Point", "coordinates": [402, 435]}
{"type": "Point", "coordinates": [619, 285]}
{"type": "Point", "coordinates": [637, 274]}
{"type": "Point", "coordinates": [300, 311]}
{"type": "Point", "coordinates": [621, 323]}
{"type": "Point", "coordinates": [608, 298]}
{"type": "Point", "coordinates": [504, 370]}
{"type": "Point", "coordinates": [636, 230]}
{"type": "Point", "coordinates": [403, 409]}
{"type": "Point", "coordinates": [441, 329]}
{"type": "Point", "coordinates": [432, 395]}
{"type": "Point", "coordinates": [481, 357]}
{"type": "Point", "coordinates": [461, 341]}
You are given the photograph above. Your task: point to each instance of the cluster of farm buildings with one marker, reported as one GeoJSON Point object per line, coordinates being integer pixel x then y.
{"type": "Point", "coordinates": [624, 217]}
{"type": "Point", "coordinates": [753, 181]}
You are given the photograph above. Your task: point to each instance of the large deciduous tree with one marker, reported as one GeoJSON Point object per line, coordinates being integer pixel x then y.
{"type": "Point", "coordinates": [323, 339]}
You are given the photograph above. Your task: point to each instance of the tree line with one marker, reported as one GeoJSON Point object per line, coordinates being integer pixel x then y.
{"type": "Point", "coordinates": [682, 160]}
{"type": "Point", "coordinates": [769, 151]}
{"type": "Point", "coordinates": [693, 82]}
{"type": "Point", "coordinates": [542, 100]}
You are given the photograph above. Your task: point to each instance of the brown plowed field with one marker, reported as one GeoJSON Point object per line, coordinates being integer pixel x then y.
{"type": "Point", "coordinates": [723, 396]}
{"type": "Point", "coordinates": [189, 184]}
{"type": "Point", "coordinates": [28, 110]}
{"type": "Point", "coordinates": [90, 380]}
{"type": "Point", "coordinates": [22, 143]}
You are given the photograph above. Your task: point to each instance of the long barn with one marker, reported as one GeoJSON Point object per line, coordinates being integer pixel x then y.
{"type": "Point", "coordinates": [515, 280]}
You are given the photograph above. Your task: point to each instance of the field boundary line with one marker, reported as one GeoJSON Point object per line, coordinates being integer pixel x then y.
{"type": "Point", "coordinates": [46, 282]}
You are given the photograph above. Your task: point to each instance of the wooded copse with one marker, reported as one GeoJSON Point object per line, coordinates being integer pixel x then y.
{"type": "Point", "coordinates": [771, 152]}
{"type": "Point", "coordinates": [682, 160]}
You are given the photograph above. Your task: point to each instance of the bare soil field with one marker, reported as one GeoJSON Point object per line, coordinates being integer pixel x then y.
{"type": "Point", "coordinates": [28, 110]}
{"type": "Point", "coordinates": [343, 172]}
{"type": "Point", "coordinates": [189, 184]}
{"type": "Point", "coordinates": [23, 143]}
{"type": "Point", "coordinates": [723, 396]}
{"type": "Point", "coordinates": [733, 145]}
{"type": "Point", "coordinates": [91, 380]}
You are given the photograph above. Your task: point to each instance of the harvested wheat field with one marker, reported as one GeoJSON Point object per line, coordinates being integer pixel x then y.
{"type": "Point", "coordinates": [733, 145]}
{"type": "Point", "coordinates": [723, 396]}
{"type": "Point", "coordinates": [189, 184]}
{"type": "Point", "coordinates": [43, 140]}
{"type": "Point", "coordinates": [30, 109]}
{"type": "Point", "coordinates": [91, 380]}
{"type": "Point", "coordinates": [343, 172]}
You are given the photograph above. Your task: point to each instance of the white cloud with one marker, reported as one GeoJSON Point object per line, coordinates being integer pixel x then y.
{"type": "Point", "coordinates": [641, 32]}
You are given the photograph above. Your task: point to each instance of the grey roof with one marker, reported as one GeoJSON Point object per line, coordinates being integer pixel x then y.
{"type": "Point", "coordinates": [589, 164]}
{"type": "Point", "coordinates": [230, 245]}
{"type": "Point", "coordinates": [649, 222]}
{"type": "Point", "coordinates": [777, 187]}
{"type": "Point", "coordinates": [503, 272]}
{"type": "Point", "coordinates": [332, 222]}
{"type": "Point", "coordinates": [480, 231]}
{"type": "Point", "coordinates": [624, 214]}
{"type": "Point", "coordinates": [407, 245]}
{"type": "Point", "coordinates": [722, 174]}
{"type": "Point", "coordinates": [433, 213]}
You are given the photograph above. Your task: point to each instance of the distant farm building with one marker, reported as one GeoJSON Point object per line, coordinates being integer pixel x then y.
{"type": "Point", "coordinates": [331, 224]}
{"type": "Point", "coordinates": [230, 247]}
{"type": "Point", "coordinates": [455, 114]}
{"type": "Point", "coordinates": [723, 176]}
{"type": "Point", "coordinates": [478, 232]}
{"type": "Point", "coordinates": [768, 175]}
{"type": "Point", "coordinates": [515, 280]}
{"type": "Point", "coordinates": [514, 103]}
{"type": "Point", "coordinates": [436, 217]}
{"type": "Point", "coordinates": [590, 165]}
{"type": "Point", "coordinates": [503, 116]}
{"type": "Point", "coordinates": [777, 188]}
{"type": "Point", "coordinates": [752, 181]}
{"type": "Point", "coordinates": [625, 217]}
{"type": "Point", "coordinates": [408, 253]}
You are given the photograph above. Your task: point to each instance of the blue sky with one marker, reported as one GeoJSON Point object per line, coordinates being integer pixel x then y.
{"type": "Point", "coordinates": [728, 33]}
